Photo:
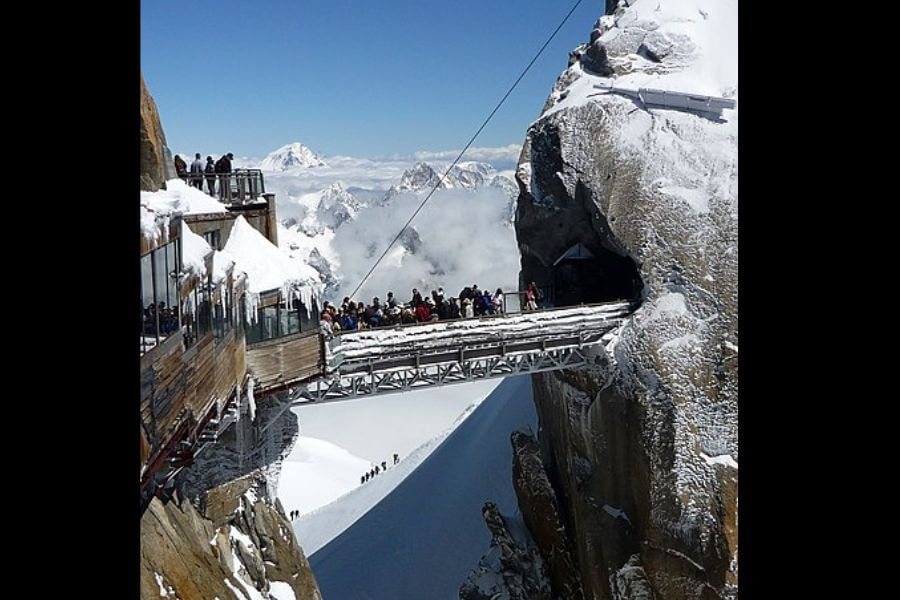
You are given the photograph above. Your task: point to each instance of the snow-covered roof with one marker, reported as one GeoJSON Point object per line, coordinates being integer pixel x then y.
{"type": "Point", "coordinates": [180, 197]}
{"type": "Point", "coordinates": [267, 266]}
{"type": "Point", "coordinates": [222, 263]}
{"type": "Point", "coordinates": [194, 251]}
{"type": "Point", "coordinates": [154, 226]}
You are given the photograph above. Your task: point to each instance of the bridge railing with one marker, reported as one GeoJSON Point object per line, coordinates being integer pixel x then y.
{"type": "Point", "coordinates": [238, 187]}
{"type": "Point", "coordinates": [469, 337]}
{"type": "Point", "coordinates": [514, 301]}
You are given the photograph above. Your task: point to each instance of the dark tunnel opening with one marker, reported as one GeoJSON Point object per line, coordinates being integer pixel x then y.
{"type": "Point", "coordinates": [585, 273]}
{"type": "Point", "coordinates": [582, 276]}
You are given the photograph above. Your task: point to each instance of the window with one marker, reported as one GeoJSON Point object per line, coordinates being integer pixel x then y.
{"type": "Point", "coordinates": [218, 314]}
{"type": "Point", "coordinates": [172, 263]}
{"type": "Point", "coordinates": [160, 311]}
{"type": "Point", "coordinates": [242, 313]}
{"type": "Point", "coordinates": [189, 319]}
{"type": "Point", "coordinates": [268, 316]}
{"type": "Point", "coordinates": [204, 310]}
{"type": "Point", "coordinates": [213, 238]}
{"type": "Point", "coordinates": [149, 337]}
{"type": "Point", "coordinates": [229, 308]}
{"type": "Point", "coordinates": [293, 319]}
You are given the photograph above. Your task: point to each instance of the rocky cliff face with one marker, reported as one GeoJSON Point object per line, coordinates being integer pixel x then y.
{"type": "Point", "coordinates": [243, 548]}
{"type": "Point", "coordinates": [155, 155]}
{"type": "Point", "coordinates": [243, 448]}
{"type": "Point", "coordinates": [641, 450]}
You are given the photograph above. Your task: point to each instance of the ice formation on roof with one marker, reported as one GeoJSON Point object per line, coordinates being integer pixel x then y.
{"type": "Point", "coordinates": [268, 267]}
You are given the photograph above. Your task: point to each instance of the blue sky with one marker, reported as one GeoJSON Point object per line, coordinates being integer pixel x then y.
{"type": "Point", "coordinates": [376, 78]}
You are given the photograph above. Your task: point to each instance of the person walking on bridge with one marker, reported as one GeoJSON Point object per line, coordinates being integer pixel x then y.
{"type": "Point", "coordinates": [197, 172]}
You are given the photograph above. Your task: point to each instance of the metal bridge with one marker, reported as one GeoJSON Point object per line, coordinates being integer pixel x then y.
{"type": "Point", "coordinates": [383, 361]}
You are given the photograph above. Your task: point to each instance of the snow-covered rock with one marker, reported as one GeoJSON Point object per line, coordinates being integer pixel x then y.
{"type": "Point", "coordinates": [242, 547]}
{"type": "Point", "coordinates": [422, 177]}
{"type": "Point", "coordinates": [658, 186]}
{"type": "Point", "coordinates": [513, 568]}
{"type": "Point", "coordinates": [331, 208]}
{"type": "Point", "coordinates": [291, 156]}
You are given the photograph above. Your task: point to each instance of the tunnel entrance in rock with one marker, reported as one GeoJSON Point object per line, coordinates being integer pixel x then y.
{"type": "Point", "coordinates": [588, 275]}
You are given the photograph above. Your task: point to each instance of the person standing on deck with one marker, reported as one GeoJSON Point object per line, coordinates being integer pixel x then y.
{"type": "Point", "coordinates": [531, 295]}
{"type": "Point", "coordinates": [498, 301]}
{"type": "Point", "coordinates": [453, 309]}
{"type": "Point", "coordinates": [210, 171]}
{"type": "Point", "coordinates": [416, 298]}
{"type": "Point", "coordinates": [467, 310]}
{"type": "Point", "coordinates": [180, 167]}
{"type": "Point", "coordinates": [197, 172]}
{"type": "Point", "coordinates": [223, 166]}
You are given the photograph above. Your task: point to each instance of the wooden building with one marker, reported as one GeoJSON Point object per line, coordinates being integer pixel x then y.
{"type": "Point", "coordinates": [194, 335]}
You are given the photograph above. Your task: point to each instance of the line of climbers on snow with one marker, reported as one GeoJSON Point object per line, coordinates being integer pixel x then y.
{"type": "Point", "coordinates": [199, 171]}
{"type": "Point", "coordinates": [375, 470]}
{"type": "Point", "coordinates": [370, 474]}
{"type": "Point", "coordinates": [472, 302]}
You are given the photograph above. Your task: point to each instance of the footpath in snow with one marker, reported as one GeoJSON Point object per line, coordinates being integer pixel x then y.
{"type": "Point", "coordinates": [423, 538]}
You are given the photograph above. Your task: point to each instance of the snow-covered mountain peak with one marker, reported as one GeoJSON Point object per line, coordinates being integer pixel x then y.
{"type": "Point", "coordinates": [421, 176]}
{"type": "Point", "coordinates": [467, 175]}
{"type": "Point", "coordinates": [336, 206]}
{"type": "Point", "coordinates": [289, 157]}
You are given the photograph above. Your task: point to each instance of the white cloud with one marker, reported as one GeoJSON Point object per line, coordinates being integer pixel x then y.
{"type": "Point", "coordinates": [505, 155]}
{"type": "Point", "coordinates": [465, 239]}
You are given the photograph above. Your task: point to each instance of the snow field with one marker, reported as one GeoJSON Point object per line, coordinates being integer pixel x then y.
{"type": "Point", "coordinates": [423, 538]}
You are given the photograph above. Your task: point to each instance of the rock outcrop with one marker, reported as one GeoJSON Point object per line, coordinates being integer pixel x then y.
{"type": "Point", "coordinates": [243, 548]}
{"type": "Point", "coordinates": [243, 449]}
{"type": "Point", "coordinates": [155, 155]}
{"type": "Point", "coordinates": [513, 568]}
{"type": "Point", "coordinates": [642, 449]}
{"type": "Point", "coordinates": [541, 512]}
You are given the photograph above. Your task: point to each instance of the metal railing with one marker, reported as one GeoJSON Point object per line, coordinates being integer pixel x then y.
{"type": "Point", "coordinates": [238, 187]}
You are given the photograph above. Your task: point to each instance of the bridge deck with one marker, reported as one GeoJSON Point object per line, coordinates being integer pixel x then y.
{"type": "Point", "coordinates": [382, 361]}
{"type": "Point", "coordinates": [377, 345]}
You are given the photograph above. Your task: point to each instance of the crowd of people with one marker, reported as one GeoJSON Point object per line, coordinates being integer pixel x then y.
{"type": "Point", "coordinates": [352, 316]}
{"type": "Point", "coordinates": [168, 319]}
{"type": "Point", "coordinates": [375, 470]}
{"type": "Point", "coordinates": [199, 171]}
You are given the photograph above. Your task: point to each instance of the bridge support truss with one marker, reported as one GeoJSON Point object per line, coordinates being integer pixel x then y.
{"type": "Point", "coordinates": [446, 368]}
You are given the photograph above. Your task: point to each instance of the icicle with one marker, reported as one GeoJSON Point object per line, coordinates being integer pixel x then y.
{"type": "Point", "coordinates": [251, 400]}
{"type": "Point", "coordinates": [237, 395]}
